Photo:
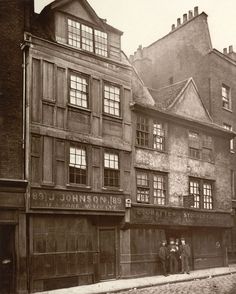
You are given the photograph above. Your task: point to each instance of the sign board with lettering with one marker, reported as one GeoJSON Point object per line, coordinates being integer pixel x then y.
{"type": "Point", "coordinates": [71, 200]}
{"type": "Point", "coordinates": [179, 217]}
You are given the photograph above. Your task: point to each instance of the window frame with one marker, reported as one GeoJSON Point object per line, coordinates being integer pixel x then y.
{"type": "Point", "coordinates": [231, 142]}
{"type": "Point", "coordinates": [226, 99]}
{"type": "Point", "coordinates": [78, 145]}
{"type": "Point", "coordinates": [114, 152]}
{"type": "Point", "coordinates": [107, 83]}
{"type": "Point", "coordinates": [151, 122]}
{"type": "Point", "coordinates": [150, 186]}
{"type": "Point", "coordinates": [81, 23]}
{"type": "Point", "coordinates": [88, 79]}
{"type": "Point", "coordinates": [199, 146]}
{"type": "Point", "coordinates": [201, 195]}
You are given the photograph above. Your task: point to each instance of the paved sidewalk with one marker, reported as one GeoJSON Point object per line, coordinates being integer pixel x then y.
{"type": "Point", "coordinates": [126, 284]}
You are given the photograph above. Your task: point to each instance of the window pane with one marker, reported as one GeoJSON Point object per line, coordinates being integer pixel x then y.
{"type": "Point", "coordinates": [100, 43]}
{"type": "Point", "coordinates": [158, 136]}
{"type": "Point", "coordinates": [87, 38]}
{"type": "Point", "coordinates": [207, 196]}
{"type": "Point", "coordinates": [226, 98]}
{"type": "Point", "coordinates": [112, 100]}
{"type": "Point", "coordinates": [77, 165]}
{"type": "Point", "coordinates": [74, 33]}
{"type": "Point", "coordinates": [79, 90]}
{"type": "Point", "coordinates": [142, 131]}
{"type": "Point", "coordinates": [159, 190]}
{"type": "Point", "coordinates": [194, 189]}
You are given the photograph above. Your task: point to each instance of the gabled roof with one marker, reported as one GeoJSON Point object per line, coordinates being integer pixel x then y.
{"type": "Point", "coordinates": [57, 4]}
{"type": "Point", "coordinates": [164, 97]}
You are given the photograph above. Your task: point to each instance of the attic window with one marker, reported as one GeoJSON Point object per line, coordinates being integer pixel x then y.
{"type": "Point", "coordinates": [85, 37]}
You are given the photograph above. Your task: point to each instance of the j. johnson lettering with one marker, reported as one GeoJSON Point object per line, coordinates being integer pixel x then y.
{"type": "Point", "coordinates": [72, 200]}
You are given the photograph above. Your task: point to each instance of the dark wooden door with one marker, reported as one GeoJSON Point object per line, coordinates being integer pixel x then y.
{"type": "Point", "coordinates": [7, 259]}
{"type": "Point", "coordinates": [107, 248]}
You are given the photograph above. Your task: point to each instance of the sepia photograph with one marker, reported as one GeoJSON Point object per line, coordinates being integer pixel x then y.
{"type": "Point", "coordinates": [117, 147]}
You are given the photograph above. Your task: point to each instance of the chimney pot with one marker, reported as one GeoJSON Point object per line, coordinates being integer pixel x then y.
{"type": "Point", "coordinates": [195, 10]}
{"type": "Point", "coordinates": [190, 14]}
{"type": "Point", "coordinates": [225, 51]}
{"type": "Point", "coordinates": [173, 27]}
{"type": "Point", "coordinates": [231, 49]}
{"type": "Point", "coordinates": [185, 17]}
{"type": "Point", "coordinates": [178, 22]}
{"type": "Point", "coordinates": [140, 47]}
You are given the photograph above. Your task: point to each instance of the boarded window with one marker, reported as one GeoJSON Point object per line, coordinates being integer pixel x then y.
{"type": "Point", "coordinates": [48, 80]}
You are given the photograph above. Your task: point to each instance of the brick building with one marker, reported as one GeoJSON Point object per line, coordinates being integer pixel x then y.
{"type": "Point", "coordinates": [14, 20]}
{"type": "Point", "coordinates": [187, 52]}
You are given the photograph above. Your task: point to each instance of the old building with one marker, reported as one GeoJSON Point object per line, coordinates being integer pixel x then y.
{"type": "Point", "coordinates": [187, 51]}
{"type": "Point", "coordinates": [180, 178]}
{"type": "Point", "coordinates": [78, 146]}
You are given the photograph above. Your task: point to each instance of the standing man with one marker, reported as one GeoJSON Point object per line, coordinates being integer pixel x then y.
{"type": "Point", "coordinates": [163, 255]}
{"type": "Point", "coordinates": [178, 255]}
{"type": "Point", "coordinates": [185, 253]}
{"type": "Point", "coordinates": [172, 257]}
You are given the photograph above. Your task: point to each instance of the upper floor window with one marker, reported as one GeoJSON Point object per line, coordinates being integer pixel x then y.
{"type": "Point", "coordinates": [202, 191]}
{"type": "Point", "coordinates": [79, 90]}
{"type": "Point", "coordinates": [111, 99]}
{"type": "Point", "coordinates": [78, 165]}
{"type": "Point", "coordinates": [158, 136]}
{"type": "Point", "coordinates": [226, 97]}
{"type": "Point", "coordinates": [142, 131]}
{"type": "Point", "coordinates": [151, 187]}
{"type": "Point", "coordinates": [150, 133]}
{"type": "Point", "coordinates": [229, 128]}
{"type": "Point", "coordinates": [111, 169]}
{"type": "Point", "coordinates": [85, 37]}
{"type": "Point", "coordinates": [200, 146]}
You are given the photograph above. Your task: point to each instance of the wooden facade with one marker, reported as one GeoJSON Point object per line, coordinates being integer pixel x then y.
{"type": "Point", "coordinates": [74, 220]}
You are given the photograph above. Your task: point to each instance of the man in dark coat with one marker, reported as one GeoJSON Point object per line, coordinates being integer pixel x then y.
{"type": "Point", "coordinates": [185, 253]}
{"type": "Point", "coordinates": [172, 257]}
{"type": "Point", "coordinates": [163, 255]}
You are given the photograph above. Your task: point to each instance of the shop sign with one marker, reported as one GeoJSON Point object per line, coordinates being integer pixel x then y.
{"type": "Point", "coordinates": [179, 217]}
{"type": "Point", "coordinates": [12, 199]}
{"type": "Point", "coordinates": [57, 199]}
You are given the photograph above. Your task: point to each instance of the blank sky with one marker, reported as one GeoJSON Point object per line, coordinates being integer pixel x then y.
{"type": "Point", "coordinates": [144, 21]}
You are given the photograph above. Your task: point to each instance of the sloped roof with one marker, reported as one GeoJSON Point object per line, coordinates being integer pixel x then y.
{"type": "Point", "coordinates": [164, 97]}
{"type": "Point", "coordinates": [60, 3]}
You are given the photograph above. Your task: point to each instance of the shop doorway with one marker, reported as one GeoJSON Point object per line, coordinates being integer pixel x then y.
{"type": "Point", "coordinates": [107, 249]}
{"type": "Point", "coordinates": [7, 259]}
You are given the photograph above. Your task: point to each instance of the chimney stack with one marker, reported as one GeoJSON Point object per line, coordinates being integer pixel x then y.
{"type": "Point", "coordinates": [185, 17]}
{"type": "Point", "coordinates": [195, 10]}
{"type": "Point", "coordinates": [178, 22]}
{"type": "Point", "coordinates": [225, 51]}
{"type": "Point", "coordinates": [173, 27]}
{"type": "Point", "coordinates": [231, 50]}
{"type": "Point", "coordinates": [190, 14]}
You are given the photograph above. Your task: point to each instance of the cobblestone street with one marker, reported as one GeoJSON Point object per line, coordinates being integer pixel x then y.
{"type": "Point", "coordinates": [218, 285]}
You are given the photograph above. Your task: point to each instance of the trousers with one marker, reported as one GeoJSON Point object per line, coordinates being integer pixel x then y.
{"type": "Point", "coordinates": [184, 263]}
{"type": "Point", "coordinates": [173, 264]}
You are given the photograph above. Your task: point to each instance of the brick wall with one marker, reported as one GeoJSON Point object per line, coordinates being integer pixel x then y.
{"type": "Point", "coordinates": [12, 19]}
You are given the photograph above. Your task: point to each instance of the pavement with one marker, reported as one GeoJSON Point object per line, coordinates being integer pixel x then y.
{"type": "Point", "coordinates": [115, 286]}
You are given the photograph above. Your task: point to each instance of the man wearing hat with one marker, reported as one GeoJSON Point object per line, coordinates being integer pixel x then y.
{"type": "Point", "coordinates": [185, 253]}
{"type": "Point", "coordinates": [172, 257]}
{"type": "Point", "coordinates": [163, 255]}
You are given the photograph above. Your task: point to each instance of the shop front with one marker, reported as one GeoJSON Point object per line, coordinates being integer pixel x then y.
{"type": "Point", "coordinates": [13, 261]}
{"type": "Point", "coordinates": [74, 238]}
{"type": "Point", "coordinates": [203, 230]}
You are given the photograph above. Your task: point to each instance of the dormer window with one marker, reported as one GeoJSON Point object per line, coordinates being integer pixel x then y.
{"type": "Point", "coordinates": [85, 37]}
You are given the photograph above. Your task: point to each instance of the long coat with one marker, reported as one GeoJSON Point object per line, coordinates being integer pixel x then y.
{"type": "Point", "coordinates": [163, 253]}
